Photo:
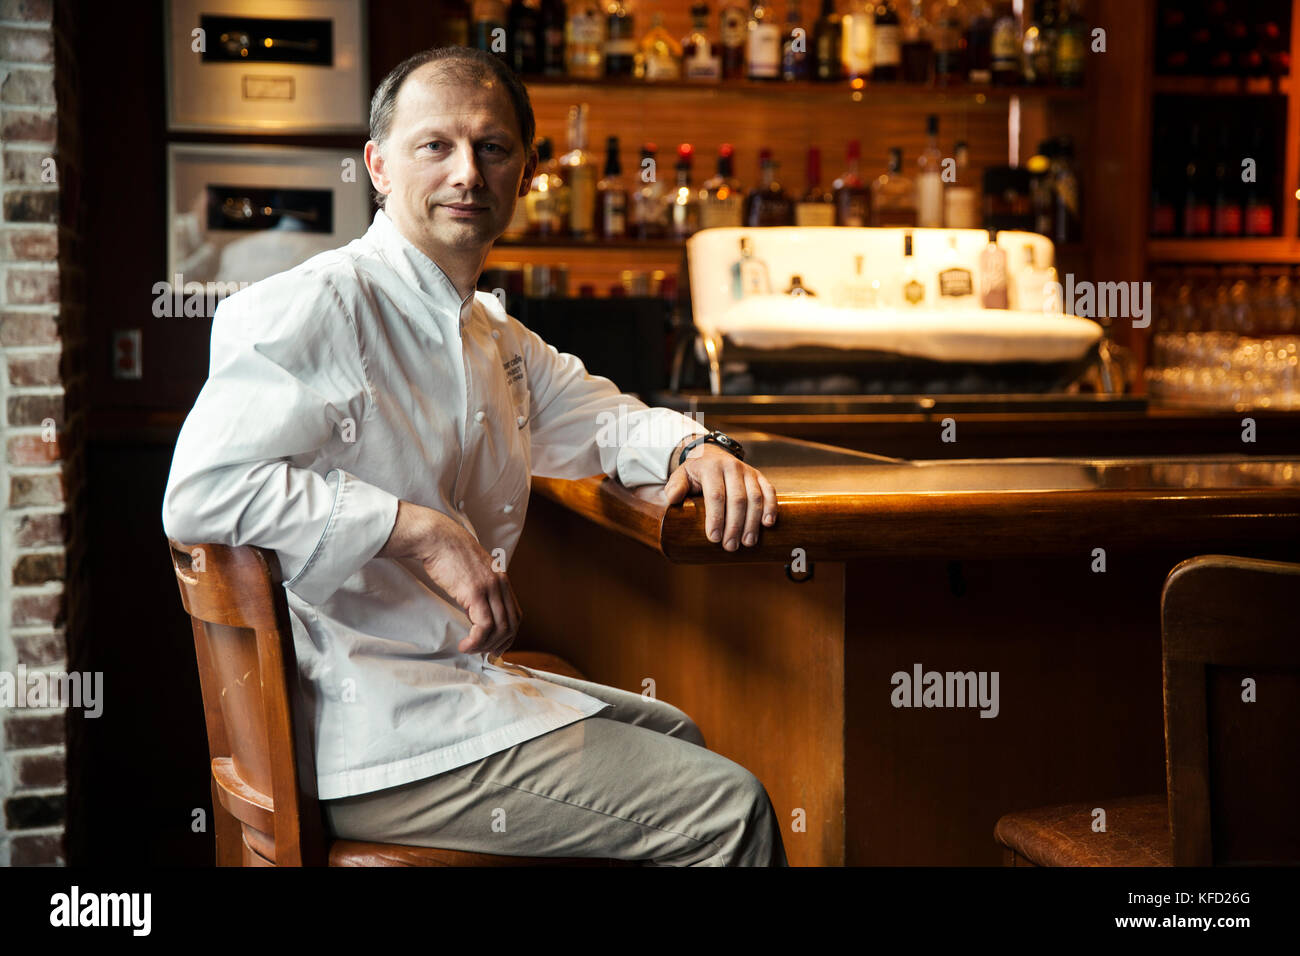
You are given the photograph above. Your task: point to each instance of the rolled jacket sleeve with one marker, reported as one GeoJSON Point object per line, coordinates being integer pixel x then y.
{"type": "Point", "coordinates": [583, 425]}
{"type": "Point", "coordinates": [286, 382]}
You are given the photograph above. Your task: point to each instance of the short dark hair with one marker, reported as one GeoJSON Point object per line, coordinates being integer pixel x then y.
{"type": "Point", "coordinates": [459, 63]}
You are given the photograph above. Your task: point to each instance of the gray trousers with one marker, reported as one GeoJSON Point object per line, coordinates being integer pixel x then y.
{"type": "Point", "coordinates": [634, 782]}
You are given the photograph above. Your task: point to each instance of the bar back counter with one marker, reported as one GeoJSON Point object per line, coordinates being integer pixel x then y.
{"type": "Point", "coordinates": [803, 658]}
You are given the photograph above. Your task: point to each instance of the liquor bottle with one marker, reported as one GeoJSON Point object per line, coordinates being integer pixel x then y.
{"type": "Point", "coordinates": [1071, 46]}
{"type": "Point", "coordinates": [551, 23]}
{"type": "Point", "coordinates": [797, 287]}
{"type": "Point", "coordinates": [1005, 46]}
{"type": "Point", "coordinates": [767, 204]}
{"type": "Point", "coordinates": [722, 203]}
{"type": "Point", "coordinates": [1164, 215]}
{"type": "Point", "coordinates": [918, 51]}
{"type": "Point", "coordinates": [961, 199]}
{"type": "Point", "coordinates": [887, 49]}
{"type": "Point", "coordinates": [489, 28]}
{"type": "Point", "coordinates": [749, 274]}
{"type": "Point", "coordinates": [660, 56]}
{"type": "Point", "coordinates": [701, 56]}
{"type": "Point", "coordinates": [827, 65]}
{"type": "Point", "coordinates": [795, 56]}
{"type": "Point", "coordinates": [912, 288]}
{"type": "Point", "coordinates": [584, 40]}
{"type": "Point", "coordinates": [993, 274]}
{"type": "Point", "coordinates": [1197, 216]}
{"type": "Point", "coordinates": [817, 205]}
{"type": "Point", "coordinates": [1252, 57]}
{"type": "Point", "coordinates": [683, 207]}
{"type": "Point", "coordinates": [1227, 208]}
{"type": "Point", "coordinates": [1261, 219]}
{"type": "Point", "coordinates": [1068, 223]}
{"type": "Point", "coordinates": [1038, 51]}
{"type": "Point", "coordinates": [1041, 192]}
{"type": "Point", "coordinates": [1035, 289]}
{"type": "Point", "coordinates": [611, 195]}
{"type": "Point", "coordinates": [979, 40]}
{"type": "Point", "coordinates": [733, 24]}
{"type": "Point", "coordinates": [949, 45]}
{"type": "Point", "coordinates": [580, 176]}
{"type": "Point", "coordinates": [648, 207]}
{"type": "Point", "coordinates": [929, 180]}
{"type": "Point", "coordinates": [522, 27]}
{"type": "Point", "coordinates": [763, 43]}
{"type": "Point", "coordinates": [852, 195]}
{"type": "Point", "coordinates": [857, 39]}
{"type": "Point", "coordinates": [893, 195]}
{"type": "Point", "coordinates": [456, 22]}
{"type": "Point", "coordinates": [620, 40]}
{"type": "Point", "coordinates": [548, 199]}
{"type": "Point", "coordinates": [956, 282]}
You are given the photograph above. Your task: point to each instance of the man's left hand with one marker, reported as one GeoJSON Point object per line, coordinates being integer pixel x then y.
{"type": "Point", "coordinates": [737, 497]}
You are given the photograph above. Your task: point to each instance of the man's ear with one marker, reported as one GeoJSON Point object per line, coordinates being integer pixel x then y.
{"type": "Point", "coordinates": [375, 167]}
{"type": "Point", "coordinates": [530, 170]}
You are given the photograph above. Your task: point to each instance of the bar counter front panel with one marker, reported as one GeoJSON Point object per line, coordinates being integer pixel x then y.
{"type": "Point", "coordinates": [950, 566]}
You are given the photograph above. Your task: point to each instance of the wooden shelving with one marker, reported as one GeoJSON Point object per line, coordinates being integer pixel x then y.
{"type": "Point", "coordinates": [1222, 85]}
{"type": "Point", "coordinates": [901, 93]}
{"type": "Point", "coordinates": [1278, 249]}
{"type": "Point", "coordinates": [591, 245]}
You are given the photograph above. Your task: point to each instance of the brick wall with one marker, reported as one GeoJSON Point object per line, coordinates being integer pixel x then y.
{"type": "Point", "coordinates": [42, 383]}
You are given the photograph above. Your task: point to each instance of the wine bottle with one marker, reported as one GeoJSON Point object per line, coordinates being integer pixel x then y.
{"type": "Point", "coordinates": [852, 195]}
{"type": "Point", "coordinates": [763, 43]}
{"type": "Point", "coordinates": [887, 55]}
{"type": "Point", "coordinates": [827, 65]}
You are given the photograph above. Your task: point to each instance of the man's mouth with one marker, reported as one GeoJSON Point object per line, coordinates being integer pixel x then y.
{"type": "Point", "coordinates": [464, 210]}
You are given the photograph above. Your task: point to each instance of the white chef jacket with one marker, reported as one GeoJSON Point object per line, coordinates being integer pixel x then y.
{"type": "Point", "coordinates": [355, 379]}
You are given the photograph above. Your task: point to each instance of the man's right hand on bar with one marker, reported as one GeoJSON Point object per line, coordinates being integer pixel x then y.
{"type": "Point", "coordinates": [457, 563]}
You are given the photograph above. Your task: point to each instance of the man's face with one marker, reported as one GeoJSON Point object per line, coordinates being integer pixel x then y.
{"type": "Point", "coordinates": [453, 164]}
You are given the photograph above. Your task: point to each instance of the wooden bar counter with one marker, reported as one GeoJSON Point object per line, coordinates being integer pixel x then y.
{"type": "Point", "coordinates": [1045, 571]}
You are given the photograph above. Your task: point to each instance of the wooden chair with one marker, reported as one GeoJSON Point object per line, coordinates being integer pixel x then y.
{"type": "Point", "coordinates": [263, 769]}
{"type": "Point", "coordinates": [1231, 767]}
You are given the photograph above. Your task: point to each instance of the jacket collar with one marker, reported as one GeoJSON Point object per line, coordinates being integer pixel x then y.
{"type": "Point", "coordinates": [417, 268]}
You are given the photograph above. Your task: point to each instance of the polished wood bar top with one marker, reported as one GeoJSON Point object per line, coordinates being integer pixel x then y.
{"type": "Point", "coordinates": [838, 504]}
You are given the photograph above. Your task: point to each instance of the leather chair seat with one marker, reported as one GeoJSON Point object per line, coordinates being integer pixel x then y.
{"type": "Point", "coordinates": [1137, 834]}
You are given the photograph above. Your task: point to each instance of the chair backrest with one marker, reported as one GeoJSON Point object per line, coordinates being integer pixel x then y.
{"type": "Point", "coordinates": [1232, 710]}
{"type": "Point", "coordinates": [262, 764]}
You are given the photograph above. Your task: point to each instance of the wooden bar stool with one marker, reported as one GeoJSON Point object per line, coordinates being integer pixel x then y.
{"type": "Point", "coordinates": [1230, 632]}
{"type": "Point", "coordinates": [263, 770]}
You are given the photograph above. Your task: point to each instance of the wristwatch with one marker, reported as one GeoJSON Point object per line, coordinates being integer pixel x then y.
{"type": "Point", "coordinates": [725, 442]}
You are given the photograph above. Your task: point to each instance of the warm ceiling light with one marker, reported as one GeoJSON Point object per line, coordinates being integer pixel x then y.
{"type": "Point", "coordinates": [857, 83]}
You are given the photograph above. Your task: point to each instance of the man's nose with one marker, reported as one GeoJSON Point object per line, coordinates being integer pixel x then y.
{"type": "Point", "coordinates": [464, 170]}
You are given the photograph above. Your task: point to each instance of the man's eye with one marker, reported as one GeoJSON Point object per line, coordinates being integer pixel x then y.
{"type": "Point", "coordinates": [436, 145]}
{"type": "Point", "coordinates": [492, 148]}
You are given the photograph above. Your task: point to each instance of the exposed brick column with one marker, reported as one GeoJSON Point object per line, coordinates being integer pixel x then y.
{"type": "Point", "coordinates": [41, 477]}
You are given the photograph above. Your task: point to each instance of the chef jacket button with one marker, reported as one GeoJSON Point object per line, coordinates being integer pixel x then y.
{"type": "Point", "coordinates": [519, 420]}
{"type": "Point", "coordinates": [496, 333]}
{"type": "Point", "coordinates": [480, 415]}
{"type": "Point", "coordinates": [508, 508]}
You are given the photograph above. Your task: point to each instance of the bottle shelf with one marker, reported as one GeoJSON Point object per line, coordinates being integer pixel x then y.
{"type": "Point", "coordinates": [877, 93]}
{"type": "Point", "coordinates": [1265, 249]}
{"type": "Point", "coordinates": [1222, 85]}
{"type": "Point", "coordinates": [564, 242]}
